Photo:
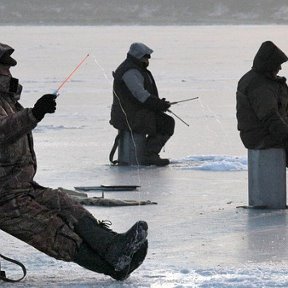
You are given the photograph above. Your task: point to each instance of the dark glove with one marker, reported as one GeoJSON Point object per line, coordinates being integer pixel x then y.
{"type": "Point", "coordinates": [157, 104]}
{"type": "Point", "coordinates": [14, 83]}
{"type": "Point", "coordinates": [45, 104]}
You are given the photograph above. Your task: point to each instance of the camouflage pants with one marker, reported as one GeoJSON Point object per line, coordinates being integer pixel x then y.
{"type": "Point", "coordinates": [44, 219]}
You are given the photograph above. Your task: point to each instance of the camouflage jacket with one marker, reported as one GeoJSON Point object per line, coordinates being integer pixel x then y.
{"type": "Point", "coordinates": [17, 157]}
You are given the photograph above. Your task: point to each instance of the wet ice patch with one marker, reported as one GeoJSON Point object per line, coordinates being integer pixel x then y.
{"type": "Point", "coordinates": [212, 163]}
{"type": "Point", "coordinates": [45, 128]}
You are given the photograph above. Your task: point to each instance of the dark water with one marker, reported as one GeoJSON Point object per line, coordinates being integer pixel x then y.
{"type": "Point", "coordinates": [142, 12]}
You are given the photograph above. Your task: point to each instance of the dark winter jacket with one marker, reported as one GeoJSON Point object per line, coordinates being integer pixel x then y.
{"type": "Point", "coordinates": [141, 119]}
{"type": "Point", "coordinates": [262, 101]}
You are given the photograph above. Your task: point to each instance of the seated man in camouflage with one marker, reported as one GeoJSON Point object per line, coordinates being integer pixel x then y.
{"type": "Point", "coordinates": [46, 218]}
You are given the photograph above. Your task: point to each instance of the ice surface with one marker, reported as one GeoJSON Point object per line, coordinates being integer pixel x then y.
{"type": "Point", "coordinates": [197, 236]}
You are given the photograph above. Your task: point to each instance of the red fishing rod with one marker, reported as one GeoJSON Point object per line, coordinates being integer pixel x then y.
{"type": "Point", "coordinates": [56, 92]}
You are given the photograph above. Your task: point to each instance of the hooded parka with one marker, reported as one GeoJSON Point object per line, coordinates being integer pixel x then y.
{"type": "Point", "coordinates": [140, 119]}
{"type": "Point", "coordinates": [262, 101]}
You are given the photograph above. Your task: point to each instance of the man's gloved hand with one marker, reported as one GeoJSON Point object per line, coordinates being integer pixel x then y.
{"type": "Point", "coordinates": [45, 104]}
{"type": "Point", "coordinates": [157, 104]}
{"type": "Point", "coordinates": [165, 105]}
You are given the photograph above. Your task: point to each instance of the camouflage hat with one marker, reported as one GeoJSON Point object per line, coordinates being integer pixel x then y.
{"type": "Point", "coordinates": [5, 55]}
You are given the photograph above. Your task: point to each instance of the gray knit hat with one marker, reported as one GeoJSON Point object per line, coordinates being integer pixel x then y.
{"type": "Point", "coordinates": [138, 50]}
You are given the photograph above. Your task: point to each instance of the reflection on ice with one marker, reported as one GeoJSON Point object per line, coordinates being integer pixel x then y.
{"type": "Point", "coordinates": [266, 235]}
{"type": "Point", "coordinates": [212, 163]}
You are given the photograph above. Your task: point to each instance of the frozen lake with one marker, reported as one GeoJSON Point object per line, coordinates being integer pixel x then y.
{"type": "Point", "coordinates": [197, 236]}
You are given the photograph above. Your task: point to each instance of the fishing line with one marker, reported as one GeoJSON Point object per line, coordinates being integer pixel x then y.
{"type": "Point", "coordinates": [207, 108]}
{"type": "Point", "coordinates": [126, 119]}
{"type": "Point", "coordinates": [129, 127]}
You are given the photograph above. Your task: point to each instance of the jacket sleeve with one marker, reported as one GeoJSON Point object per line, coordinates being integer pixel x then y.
{"type": "Point", "coordinates": [14, 126]}
{"type": "Point", "coordinates": [264, 103]}
{"type": "Point", "coordinates": [135, 83]}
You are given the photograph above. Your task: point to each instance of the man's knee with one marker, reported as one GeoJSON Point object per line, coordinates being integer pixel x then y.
{"type": "Point", "coordinates": [169, 126]}
{"type": "Point", "coordinates": [165, 124]}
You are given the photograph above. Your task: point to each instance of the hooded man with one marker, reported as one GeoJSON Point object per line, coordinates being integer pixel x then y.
{"type": "Point", "coordinates": [262, 101]}
{"type": "Point", "coordinates": [46, 218]}
{"type": "Point", "coordinates": [137, 106]}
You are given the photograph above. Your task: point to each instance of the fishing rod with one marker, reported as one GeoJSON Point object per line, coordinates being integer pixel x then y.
{"type": "Point", "coordinates": [56, 92]}
{"type": "Point", "coordinates": [176, 102]}
{"type": "Point", "coordinates": [178, 117]}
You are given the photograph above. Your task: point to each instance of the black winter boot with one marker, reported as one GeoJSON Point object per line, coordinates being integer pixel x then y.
{"type": "Point", "coordinates": [136, 261]}
{"type": "Point", "coordinates": [153, 147]}
{"type": "Point", "coordinates": [138, 258]}
{"type": "Point", "coordinates": [116, 249]}
{"type": "Point", "coordinates": [154, 159]}
{"type": "Point", "coordinates": [89, 259]}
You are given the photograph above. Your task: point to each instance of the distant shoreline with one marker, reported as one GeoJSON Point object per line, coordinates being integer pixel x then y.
{"type": "Point", "coordinates": [135, 25]}
{"type": "Point", "coordinates": [143, 12]}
